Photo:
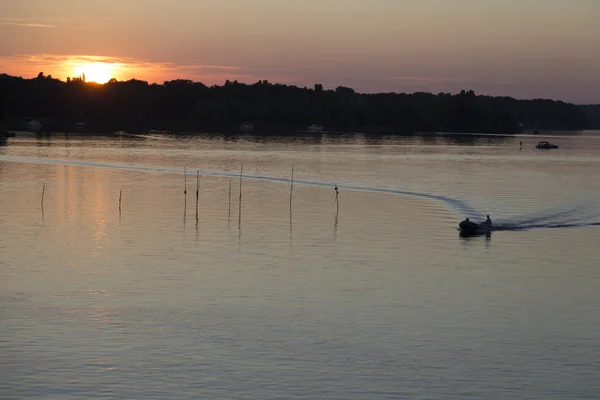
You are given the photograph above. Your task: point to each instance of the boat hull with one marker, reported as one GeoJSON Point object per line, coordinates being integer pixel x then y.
{"type": "Point", "coordinates": [468, 228]}
{"type": "Point", "coordinates": [471, 233]}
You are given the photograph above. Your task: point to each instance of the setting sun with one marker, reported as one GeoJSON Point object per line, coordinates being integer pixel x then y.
{"type": "Point", "coordinates": [98, 72]}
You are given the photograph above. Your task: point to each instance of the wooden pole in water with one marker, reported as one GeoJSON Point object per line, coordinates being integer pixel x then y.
{"type": "Point", "coordinates": [184, 193]}
{"type": "Point", "coordinates": [185, 181]}
{"type": "Point", "coordinates": [229, 215]}
{"type": "Point", "coordinates": [120, 196]}
{"type": "Point", "coordinates": [240, 199]}
{"type": "Point", "coordinates": [197, 191]}
{"type": "Point", "coordinates": [292, 186]}
{"type": "Point", "coordinates": [43, 191]}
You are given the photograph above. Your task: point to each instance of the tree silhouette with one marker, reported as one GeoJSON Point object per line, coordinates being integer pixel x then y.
{"type": "Point", "coordinates": [592, 113]}
{"type": "Point", "coordinates": [184, 105]}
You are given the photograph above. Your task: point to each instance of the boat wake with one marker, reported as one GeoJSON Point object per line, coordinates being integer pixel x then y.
{"type": "Point", "coordinates": [573, 216]}
{"type": "Point", "coordinates": [456, 205]}
{"type": "Point", "coordinates": [580, 215]}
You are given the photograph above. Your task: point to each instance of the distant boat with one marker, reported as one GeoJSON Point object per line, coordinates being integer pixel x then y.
{"type": "Point", "coordinates": [315, 128]}
{"type": "Point", "coordinates": [3, 135]}
{"type": "Point", "coordinates": [246, 127]}
{"type": "Point", "coordinates": [34, 126]}
{"type": "Point", "coordinates": [546, 145]}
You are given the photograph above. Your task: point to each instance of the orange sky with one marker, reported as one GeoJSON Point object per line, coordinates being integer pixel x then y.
{"type": "Point", "coordinates": [526, 48]}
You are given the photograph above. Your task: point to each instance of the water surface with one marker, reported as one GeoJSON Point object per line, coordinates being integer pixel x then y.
{"type": "Point", "coordinates": [373, 296]}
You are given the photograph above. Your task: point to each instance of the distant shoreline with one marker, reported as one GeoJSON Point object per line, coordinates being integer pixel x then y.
{"type": "Point", "coordinates": [45, 104]}
{"type": "Point", "coordinates": [298, 134]}
{"type": "Point", "coordinates": [111, 128]}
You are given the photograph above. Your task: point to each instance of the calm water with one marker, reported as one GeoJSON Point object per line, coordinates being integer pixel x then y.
{"type": "Point", "coordinates": [372, 297]}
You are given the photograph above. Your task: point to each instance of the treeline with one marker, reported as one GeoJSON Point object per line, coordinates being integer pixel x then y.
{"type": "Point", "coordinates": [592, 113]}
{"type": "Point", "coordinates": [183, 105]}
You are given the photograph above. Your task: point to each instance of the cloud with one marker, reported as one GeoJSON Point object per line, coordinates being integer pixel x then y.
{"type": "Point", "coordinates": [54, 59]}
{"type": "Point", "coordinates": [168, 66]}
{"type": "Point", "coordinates": [427, 80]}
{"type": "Point", "coordinates": [124, 68]}
{"type": "Point", "coordinates": [28, 25]}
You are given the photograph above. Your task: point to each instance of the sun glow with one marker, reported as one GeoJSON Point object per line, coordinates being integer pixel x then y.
{"type": "Point", "coordinates": [99, 72]}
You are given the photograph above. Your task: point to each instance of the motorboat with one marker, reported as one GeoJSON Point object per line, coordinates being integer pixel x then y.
{"type": "Point", "coordinates": [546, 145]}
{"type": "Point", "coordinates": [246, 127]}
{"type": "Point", "coordinates": [315, 128]}
{"type": "Point", "coordinates": [470, 228]}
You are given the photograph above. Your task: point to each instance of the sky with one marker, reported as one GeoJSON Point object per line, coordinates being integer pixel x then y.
{"type": "Point", "coordinates": [518, 48]}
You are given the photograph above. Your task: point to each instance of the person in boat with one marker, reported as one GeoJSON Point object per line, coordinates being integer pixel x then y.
{"type": "Point", "coordinates": [467, 224]}
{"type": "Point", "coordinates": [488, 222]}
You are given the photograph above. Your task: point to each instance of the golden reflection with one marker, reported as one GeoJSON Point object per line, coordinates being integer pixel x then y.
{"type": "Point", "coordinates": [78, 201]}
{"type": "Point", "coordinates": [100, 207]}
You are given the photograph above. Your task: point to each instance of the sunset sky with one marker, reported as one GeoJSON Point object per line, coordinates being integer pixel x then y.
{"type": "Point", "coordinates": [520, 48]}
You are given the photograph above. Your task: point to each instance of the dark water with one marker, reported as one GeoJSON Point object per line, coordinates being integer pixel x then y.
{"type": "Point", "coordinates": [373, 296]}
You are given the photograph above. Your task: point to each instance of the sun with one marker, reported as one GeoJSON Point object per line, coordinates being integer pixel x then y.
{"type": "Point", "coordinates": [99, 72]}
